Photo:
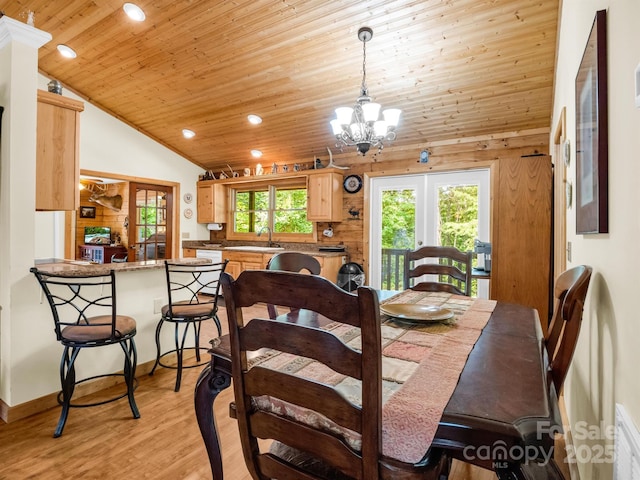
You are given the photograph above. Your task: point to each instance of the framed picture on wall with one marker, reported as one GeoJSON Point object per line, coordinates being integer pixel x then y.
{"type": "Point", "coordinates": [87, 212]}
{"type": "Point", "coordinates": [592, 177]}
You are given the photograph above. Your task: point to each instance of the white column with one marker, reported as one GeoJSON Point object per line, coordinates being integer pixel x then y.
{"type": "Point", "coordinates": [19, 44]}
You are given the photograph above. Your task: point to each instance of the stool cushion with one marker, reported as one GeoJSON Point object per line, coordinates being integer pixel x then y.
{"type": "Point", "coordinates": [186, 310]}
{"type": "Point", "coordinates": [98, 329]}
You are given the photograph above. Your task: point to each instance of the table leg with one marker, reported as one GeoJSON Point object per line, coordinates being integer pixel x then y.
{"type": "Point", "coordinates": [211, 382]}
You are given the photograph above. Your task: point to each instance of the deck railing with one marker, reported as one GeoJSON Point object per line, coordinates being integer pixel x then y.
{"type": "Point", "coordinates": [393, 268]}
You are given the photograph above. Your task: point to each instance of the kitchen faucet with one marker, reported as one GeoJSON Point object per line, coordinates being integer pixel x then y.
{"type": "Point", "coordinates": [270, 243]}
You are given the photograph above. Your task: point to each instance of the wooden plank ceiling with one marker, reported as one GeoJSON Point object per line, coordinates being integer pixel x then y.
{"type": "Point", "coordinates": [456, 68]}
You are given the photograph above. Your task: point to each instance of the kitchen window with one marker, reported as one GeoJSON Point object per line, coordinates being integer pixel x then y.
{"type": "Point", "coordinates": [278, 207]}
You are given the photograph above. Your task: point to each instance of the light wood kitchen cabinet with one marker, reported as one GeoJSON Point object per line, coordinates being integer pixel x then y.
{"type": "Point", "coordinates": [324, 194]}
{"type": "Point", "coordinates": [241, 261]}
{"type": "Point", "coordinates": [329, 266]}
{"type": "Point", "coordinates": [189, 253]}
{"type": "Point", "coordinates": [212, 202]}
{"type": "Point", "coordinates": [57, 152]}
{"type": "Point", "coordinates": [234, 268]}
{"type": "Point", "coordinates": [324, 197]}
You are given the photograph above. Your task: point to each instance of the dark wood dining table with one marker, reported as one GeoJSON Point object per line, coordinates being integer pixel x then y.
{"type": "Point", "coordinates": [503, 414]}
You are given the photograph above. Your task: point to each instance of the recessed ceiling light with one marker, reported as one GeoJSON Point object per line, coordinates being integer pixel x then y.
{"type": "Point", "coordinates": [134, 12]}
{"type": "Point", "coordinates": [67, 52]}
{"type": "Point", "coordinates": [256, 153]}
{"type": "Point", "coordinates": [254, 119]}
{"type": "Point", "coordinates": [188, 133]}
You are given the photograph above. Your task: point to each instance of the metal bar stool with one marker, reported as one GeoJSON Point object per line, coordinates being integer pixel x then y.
{"type": "Point", "coordinates": [84, 314]}
{"type": "Point", "coordinates": [193, 298]}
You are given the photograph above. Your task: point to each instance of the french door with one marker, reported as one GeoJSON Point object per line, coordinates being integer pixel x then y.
{"type": "Point", "coordinates": [150, 214]}
{"type": "Point", "coordinates": [409, 211]}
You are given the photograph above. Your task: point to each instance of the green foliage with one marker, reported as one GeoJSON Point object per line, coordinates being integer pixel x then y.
{"type": "Point", "coordinates": [289, 211]}
{"type": "Point", "coordinates": [147, 218]}
{"type": "Point", "coordinates": [458, 223]}
{"type": "Point", "coordinates": [398, 218]}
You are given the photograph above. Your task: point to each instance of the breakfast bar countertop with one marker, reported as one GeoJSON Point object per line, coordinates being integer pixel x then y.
{"type": "Point", "coordinates": [80, 267]}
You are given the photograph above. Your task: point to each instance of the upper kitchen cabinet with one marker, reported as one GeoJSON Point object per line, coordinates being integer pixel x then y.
{"type": "Point", "coordinates": [324, 197]}
{"type": "Point", "coordinates": [324, 193]}
{"type": "Point", "coordinates": [212, 202]}
{"type": "Point", "coordinates": [57, 152]}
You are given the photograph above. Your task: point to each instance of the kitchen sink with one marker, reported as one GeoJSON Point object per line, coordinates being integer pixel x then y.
{"type": "Point", "coordinates": [253, 248]}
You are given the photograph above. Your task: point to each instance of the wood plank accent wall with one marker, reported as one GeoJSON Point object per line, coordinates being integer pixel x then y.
{"type": "Point", "coordinates": [521, 210]}
{"type": "Point", "coordinates": [521, 271]}
{"type": "Point", "coordinates": [104, 216]}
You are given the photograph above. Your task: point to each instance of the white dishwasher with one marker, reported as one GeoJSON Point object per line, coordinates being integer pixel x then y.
{"type": "Point", "coordinates": [216, 257]}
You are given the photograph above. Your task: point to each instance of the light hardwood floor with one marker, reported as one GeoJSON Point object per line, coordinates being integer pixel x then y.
{"type": "Point", "coordinates": [107, 443]}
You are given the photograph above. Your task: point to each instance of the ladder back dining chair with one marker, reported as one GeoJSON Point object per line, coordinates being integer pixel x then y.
{"type": "Point", "coordinates": [346, 441]}
{"type": "Point", "coordinates": [291, 262]}
{"type": "Point", "coordinates": [449, 270]}
{"type": "Point", "coordinates": [192, 291]}
{"type": "Point", "coordinates": [569, 292]}
{"type": "Point", "coordinates": [84, 315]}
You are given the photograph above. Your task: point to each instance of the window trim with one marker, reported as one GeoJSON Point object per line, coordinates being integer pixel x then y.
{"type": "Point", "coordinates": [294, 182]}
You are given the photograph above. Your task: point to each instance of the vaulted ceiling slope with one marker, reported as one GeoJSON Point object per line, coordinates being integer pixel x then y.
{"type": "Point", "coordinates": [456, 68]}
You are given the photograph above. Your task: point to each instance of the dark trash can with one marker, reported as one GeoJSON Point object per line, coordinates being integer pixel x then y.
{"type": "Point", "coordinates": [350, 276]}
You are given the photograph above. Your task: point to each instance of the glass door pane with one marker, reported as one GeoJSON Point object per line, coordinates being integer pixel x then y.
{"type": "Point", "coordinates": [396, 222]}
{"type": "Point", "coordinates": [458, 208]}
{"type": "Point", "coordinates": [150, 213]}
{"type": "Point", "coordinates": [407, 212]}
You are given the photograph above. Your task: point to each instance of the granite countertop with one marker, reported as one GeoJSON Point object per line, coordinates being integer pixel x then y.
{"type": "Point", "coordinates": [310, 249]}
{"type": "Point", "coordinates": [79, 267]}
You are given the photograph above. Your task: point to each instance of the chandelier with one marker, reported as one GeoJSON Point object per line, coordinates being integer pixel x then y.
{"type": "Point", "coordinates": [359, 126]}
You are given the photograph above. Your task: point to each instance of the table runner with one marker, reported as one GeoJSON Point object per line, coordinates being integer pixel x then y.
{"type": "Point", "coordinates": [421, 365]}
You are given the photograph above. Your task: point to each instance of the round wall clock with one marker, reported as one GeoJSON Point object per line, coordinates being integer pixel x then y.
{"type": "Point", "coordinates": [353, 183]}
{"type": "Point", "coordinates": [188, 213]}
{"type": "Point", "coordinates": [188, 198]}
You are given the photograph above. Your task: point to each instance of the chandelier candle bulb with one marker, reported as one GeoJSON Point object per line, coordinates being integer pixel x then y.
{"type": "Point", "coordinates": [370, 111]}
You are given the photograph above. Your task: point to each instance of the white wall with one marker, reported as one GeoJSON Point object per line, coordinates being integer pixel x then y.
{"type": "Point", "coordinates": [29, 353]}
{"type": "Point", "coordinates": [605, 366]}
{"type": "Point", "coordinates": [18, 64]}
{"type": "Point", "coordinates": [110, 146]}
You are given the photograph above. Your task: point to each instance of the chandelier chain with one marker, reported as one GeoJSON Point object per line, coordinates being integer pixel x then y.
{"type": "Point", "coordinates": [364, 69]}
